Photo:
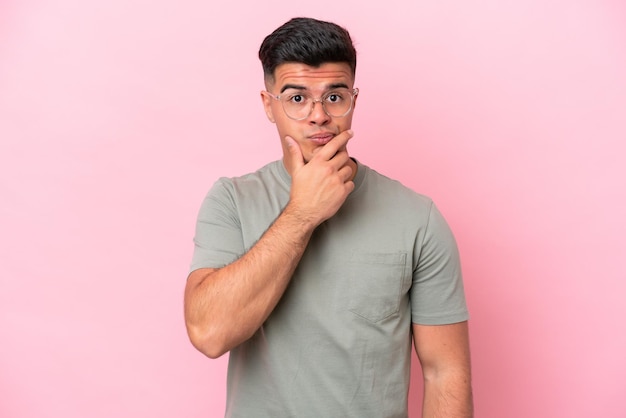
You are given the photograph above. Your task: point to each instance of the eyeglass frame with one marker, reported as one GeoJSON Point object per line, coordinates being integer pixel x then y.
{"type": "Point", "coordinates": [353, 93]}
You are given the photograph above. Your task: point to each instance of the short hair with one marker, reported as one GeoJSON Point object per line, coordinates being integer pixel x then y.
{"type": "Point", "coordinates": [308, 41]}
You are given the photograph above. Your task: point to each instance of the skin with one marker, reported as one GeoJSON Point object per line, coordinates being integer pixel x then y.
{"type": "Point", "coordinates": [224, 307]}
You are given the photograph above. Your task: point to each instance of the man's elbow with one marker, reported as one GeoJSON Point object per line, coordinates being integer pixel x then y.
{"type": "Point", "coordinates": [206, 342]}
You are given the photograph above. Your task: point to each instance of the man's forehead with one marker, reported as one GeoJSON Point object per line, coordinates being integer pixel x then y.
{"type": "Point", "coordinates": [297, 73]}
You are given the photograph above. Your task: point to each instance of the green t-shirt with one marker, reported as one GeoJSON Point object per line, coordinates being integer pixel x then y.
{"type": "Point", "coordinates": [338, 344]}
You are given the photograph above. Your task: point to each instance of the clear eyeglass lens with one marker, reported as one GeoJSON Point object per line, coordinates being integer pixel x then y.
{"type": "Point", "coordinates": [336, 103]}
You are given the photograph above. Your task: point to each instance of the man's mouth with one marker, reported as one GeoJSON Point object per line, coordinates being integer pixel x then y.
{"type": "Point", "coordinates": [321, 138]}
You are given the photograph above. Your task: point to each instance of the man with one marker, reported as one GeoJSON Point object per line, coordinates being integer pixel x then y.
{"type": "Point", "coordinates": [315, 271]}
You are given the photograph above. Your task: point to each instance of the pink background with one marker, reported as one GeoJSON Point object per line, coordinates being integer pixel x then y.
{"type": "Point", "coordinates": [116, 117]}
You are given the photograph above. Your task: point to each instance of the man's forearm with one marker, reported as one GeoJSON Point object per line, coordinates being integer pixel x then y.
{"type": "Point", "coordinates": [226, 306]}
{"type": "Point", "coordinates": [448, 397]}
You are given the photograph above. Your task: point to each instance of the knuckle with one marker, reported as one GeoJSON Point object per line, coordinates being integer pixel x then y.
{"type": "Point", "coordinates": [327, 170]}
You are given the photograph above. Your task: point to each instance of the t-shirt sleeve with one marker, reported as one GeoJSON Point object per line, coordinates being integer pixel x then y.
{"type": "Point", "coordinates": [437, 295]}
{"type": "Point", "coordinates": [218, 240]}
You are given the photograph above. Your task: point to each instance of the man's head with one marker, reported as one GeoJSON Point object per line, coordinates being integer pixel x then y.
{"type": "Point", "coordinates": [306, 41]}
{"type": "Point", "coordinates": [309, 68]}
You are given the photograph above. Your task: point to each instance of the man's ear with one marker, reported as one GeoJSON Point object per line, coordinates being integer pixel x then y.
{"type": "Point", "coordinates": [267, 105]}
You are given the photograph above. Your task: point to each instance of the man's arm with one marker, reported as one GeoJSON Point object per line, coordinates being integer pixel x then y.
{"type": "Point", "coordinates": [443, 351]}
{"type": "Point", "coordinates": [224, 307]}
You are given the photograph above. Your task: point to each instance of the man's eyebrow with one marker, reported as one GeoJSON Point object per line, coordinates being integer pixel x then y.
{"type": "Point", "coordinates": [292, 86]}
{"type": "Point", "coordinates": [338, 85]}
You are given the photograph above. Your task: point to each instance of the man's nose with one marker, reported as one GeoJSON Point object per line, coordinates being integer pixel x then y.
{"type": "Point", "coordinates": [318, 115]}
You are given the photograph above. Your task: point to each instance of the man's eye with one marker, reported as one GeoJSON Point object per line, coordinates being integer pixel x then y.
{"type": "Point", "coordinates": [297, 98]}
{"type": "Point", "coordinates": [334, 98]}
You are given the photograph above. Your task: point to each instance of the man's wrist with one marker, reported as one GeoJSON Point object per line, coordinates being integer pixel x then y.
{"type": "Point", "coordinates": [300, 219]}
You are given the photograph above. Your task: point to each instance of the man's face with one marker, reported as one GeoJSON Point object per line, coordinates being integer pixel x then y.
{"type": "Point", "coordinates": [318, 128]}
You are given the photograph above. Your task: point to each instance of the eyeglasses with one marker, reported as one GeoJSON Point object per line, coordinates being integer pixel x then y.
{"type": "Point", "coordinates": [299, 106]}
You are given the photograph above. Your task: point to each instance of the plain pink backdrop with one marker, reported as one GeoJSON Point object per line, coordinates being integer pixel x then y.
{"type": "Point", "coordinates": [116, 117]}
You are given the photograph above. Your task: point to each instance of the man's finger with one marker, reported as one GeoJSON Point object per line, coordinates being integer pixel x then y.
{"type": "Point", "coordinates": [295, 153]}
{"type": "Point", "coordinates": [329, 150]}
{"type": "Point", "coordinates": [345, 172]}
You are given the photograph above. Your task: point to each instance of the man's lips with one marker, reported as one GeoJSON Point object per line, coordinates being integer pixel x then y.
{"type": "Point", "coordinates": [321, 138]}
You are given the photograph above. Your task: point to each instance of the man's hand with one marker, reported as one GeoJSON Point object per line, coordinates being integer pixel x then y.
{"type": "Point", "coordinates": [321, 186]}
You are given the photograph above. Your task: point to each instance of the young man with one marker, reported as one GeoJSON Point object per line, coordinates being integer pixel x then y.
{"type": "Point", "coordinates": [315, 271]}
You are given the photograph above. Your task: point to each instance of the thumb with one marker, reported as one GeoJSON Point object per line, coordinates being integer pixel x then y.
{"type": "Point", "coordinates": [294, 154]}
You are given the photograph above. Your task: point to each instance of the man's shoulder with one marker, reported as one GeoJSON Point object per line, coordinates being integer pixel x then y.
{"type": "Point", "coordinates": [268, 183]}
{"type": "Point", "coordinates": [388, 186]}
{"type": "Point", "coordinates": [268, 174]}
{"type": "Point", "coordinates": [271, 168]}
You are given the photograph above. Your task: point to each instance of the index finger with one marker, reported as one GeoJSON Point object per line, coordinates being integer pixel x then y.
{"type": "Point", "coordinates": [330, 149]}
